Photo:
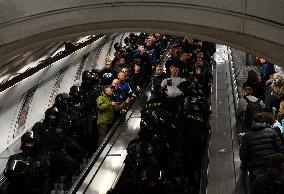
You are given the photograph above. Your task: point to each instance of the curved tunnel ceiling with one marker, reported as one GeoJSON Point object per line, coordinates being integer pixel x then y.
{"type": "Point", "coordinates": [255, 26]}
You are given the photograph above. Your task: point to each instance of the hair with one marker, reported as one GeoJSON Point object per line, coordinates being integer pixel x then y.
{"type": "Point", "coordinates": [259, 118]}
{"type": "Point", "coordinates": [269, 118]}
{"type": "Point", "coordinates": [252, 77]}
{"type": "Point", "coordinates": [281, 107]}
{"type": "Point", "coordinates": [281, 91]}
{"type": "Point", "coordinates": [248, 90]}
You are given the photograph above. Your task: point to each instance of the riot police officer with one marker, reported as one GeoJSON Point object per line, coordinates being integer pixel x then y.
{"type": "Point", "coordinates": [90, 91]}
{"type": "Point", "coordinates": [52, 142]}
{"type": "Point", "coordinates": [28, 172]}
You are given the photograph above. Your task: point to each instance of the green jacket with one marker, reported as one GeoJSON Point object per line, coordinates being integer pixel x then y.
{"type": "Point", "coordinates": [106, 111]}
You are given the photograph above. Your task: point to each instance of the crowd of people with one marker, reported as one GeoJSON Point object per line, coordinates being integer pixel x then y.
{"type": "Point", "coordinates": [166, 157]}
{"type": "Point", "coordinates": [77, 123]}
{"type": "Point", "coordinates": [260, 126]}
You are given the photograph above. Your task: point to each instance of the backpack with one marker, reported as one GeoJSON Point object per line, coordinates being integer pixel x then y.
{"type": "Point", "coordinates": [251, 109]}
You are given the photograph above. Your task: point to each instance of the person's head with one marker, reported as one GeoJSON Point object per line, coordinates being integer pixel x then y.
{"type": "Point", "coordinates": [281, 90]}
{"type": "Point", "coordinates": [281, 107]}
{"type": "Point", "coordinates": [137, 68]}
{"type": "Point", "coordinates": [197, 70]}
{"type": "Point", "coordinates": [74, 91]}
{"type": "Point", "coordinates": [259, 118]}
{"type": "Point", "coordinates": [108, 64]}
{"type": "Point", "coordinates": [174, 51]}
{"type": "Point", "coordinates": [199, 61]}
{"type": "Point", "coordinates": [122, 61]}
{"type": "Point", "coordinates": [183, 56]}
{"type": "Point", "coordinates": [108, 90]}
{"type": "Point", "coordinates": [269, 118]}
{"type": "Point", "coordinates": [187, 39]}
{"type": "Point", "coordinates": [62, 101]}
{"type": "Point", "coordinates": [277, 161]}
{"type": "Point", "coordinates": [159, 70]}
{"type": "Point", "coordinates": [115, 83]}
{"type": "Point", "coordinates": [252, 77]}
{"type": "Point", "coordinates": [277, 77]}
{"type": "Point", "coordinates": [141, 48]}
{"type": "Point", "coordinates": [247, 91]}
{"type": "Point", "coordinates": [121, 76]}
{"type": "Point", "coordinates": [125, 70]}
{"type": "Point", "coordinates": [276, 88]}
{"type": "Point", "coordinates": [157, 36]}
{"type": "Point", "coordinates": [198, 43]}
{"type": "Point", "coordinates": [174, 70]}
{"type": "Point", "coordinates": [199, 53]}
{"type": "Point", "coordinates": [52, 116]}
{"type": "Point", "coordinates": [27, 141]}
{"type": "Point", "coordinates": [150, 40]}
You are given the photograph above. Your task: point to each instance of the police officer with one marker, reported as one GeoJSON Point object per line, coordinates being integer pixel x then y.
{"type": "Point", "coordinates": [52, 142]}
{"type": "Point", "coordinates": [90, 90]}
{"type": "Point", "coordinates": [28, 172]}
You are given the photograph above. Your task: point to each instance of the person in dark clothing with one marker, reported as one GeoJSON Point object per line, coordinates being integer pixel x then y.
{"type": "Point", "coordinates": [28, 172]}
{"type": "Point", "coordinates": [185, 63]}
{"type": "Point", "coordinates": [90, 90]}
{"type": "Point", "coordinates": [255, 84]}
{"type": "Point", "coordinates": [52, 142]}
{"type": "Point", "coordinates": [271, 182]}
{"type": "Point", "coordinates": [150, 181]}
{"type": "Point", "coordinates": [107, 74]}
{"type": "Point", "coordinates": [258, 145]}
{"type": "Point", "coordinates": [137, 79]}
{"type": "Point", "coordinates": [156, 80]}
{"type": "Point", "coordinates": [174, 52]}
{"type": "Point", "coordinates": [267, 70]}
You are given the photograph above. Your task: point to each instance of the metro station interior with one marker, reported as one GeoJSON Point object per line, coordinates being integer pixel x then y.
{"type": "Point", "coordinates": [45, 46]}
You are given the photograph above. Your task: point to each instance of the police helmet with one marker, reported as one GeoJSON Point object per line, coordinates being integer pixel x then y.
{"type": "Point", "coordinates": [117, 46]}
{"type": "Point", "coordinates": [27, 138]}
{"type": "Point", "coordinates": [86, 76]}
{"type": "Point", "coordinates": [62, 98]}
{"type": "Point", "coordinates": [143, 149]}
{"type": "Point", "coordinates": [148, 122]}
{"type": "Point", "coordinates": [161, 116]}
{"type": "Point", "coordinates": [52, 111]}
{"type": "Point", "coordinates": [74, 91]}
{"type": "Point", "coordinates": [191, 104]}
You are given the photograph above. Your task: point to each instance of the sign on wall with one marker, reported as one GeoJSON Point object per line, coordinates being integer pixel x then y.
{"type": "Point", "coordinates": [22, 116]}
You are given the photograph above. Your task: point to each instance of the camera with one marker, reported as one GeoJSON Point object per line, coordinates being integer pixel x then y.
{"type": "Point", "coordinates": [169, 82]}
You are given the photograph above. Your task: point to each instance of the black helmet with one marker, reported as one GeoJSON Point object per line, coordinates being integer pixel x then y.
{"type": "Point", "coordinates": [27, 138]}
{"type": "Point", "coordinates": [62, 101]}
{"type": "Point", "coordinates": [86, 76]}
{"type": "Point", "coordinates": [143, 149]}
{"type": "Point", "coordinates": [148, 122]}
{"type": "Point", "coordinates": [117, 46]}
{"type": "Point", "coordinates": [62, 98]}
{"type": "Point", "coordinates": [74, 91]}
{"type": "Point", "coordinates": [191, 104]}
{"type": "Point", "coordinates": [52, 116]}
{"type": "Point", "coordinates": [186, 86]}
{"type": "Point", "coordinates": [90, 76]}
{"type": "Point", "coordinates": [52, 111]}
{"type": "Point", "coordinates": [161, 116]}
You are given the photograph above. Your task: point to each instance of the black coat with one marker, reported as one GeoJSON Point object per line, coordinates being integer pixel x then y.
{"type": "Point", "coordinates": [258, 145]}
{"type": "Point", "coordinates": [271, 182]}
